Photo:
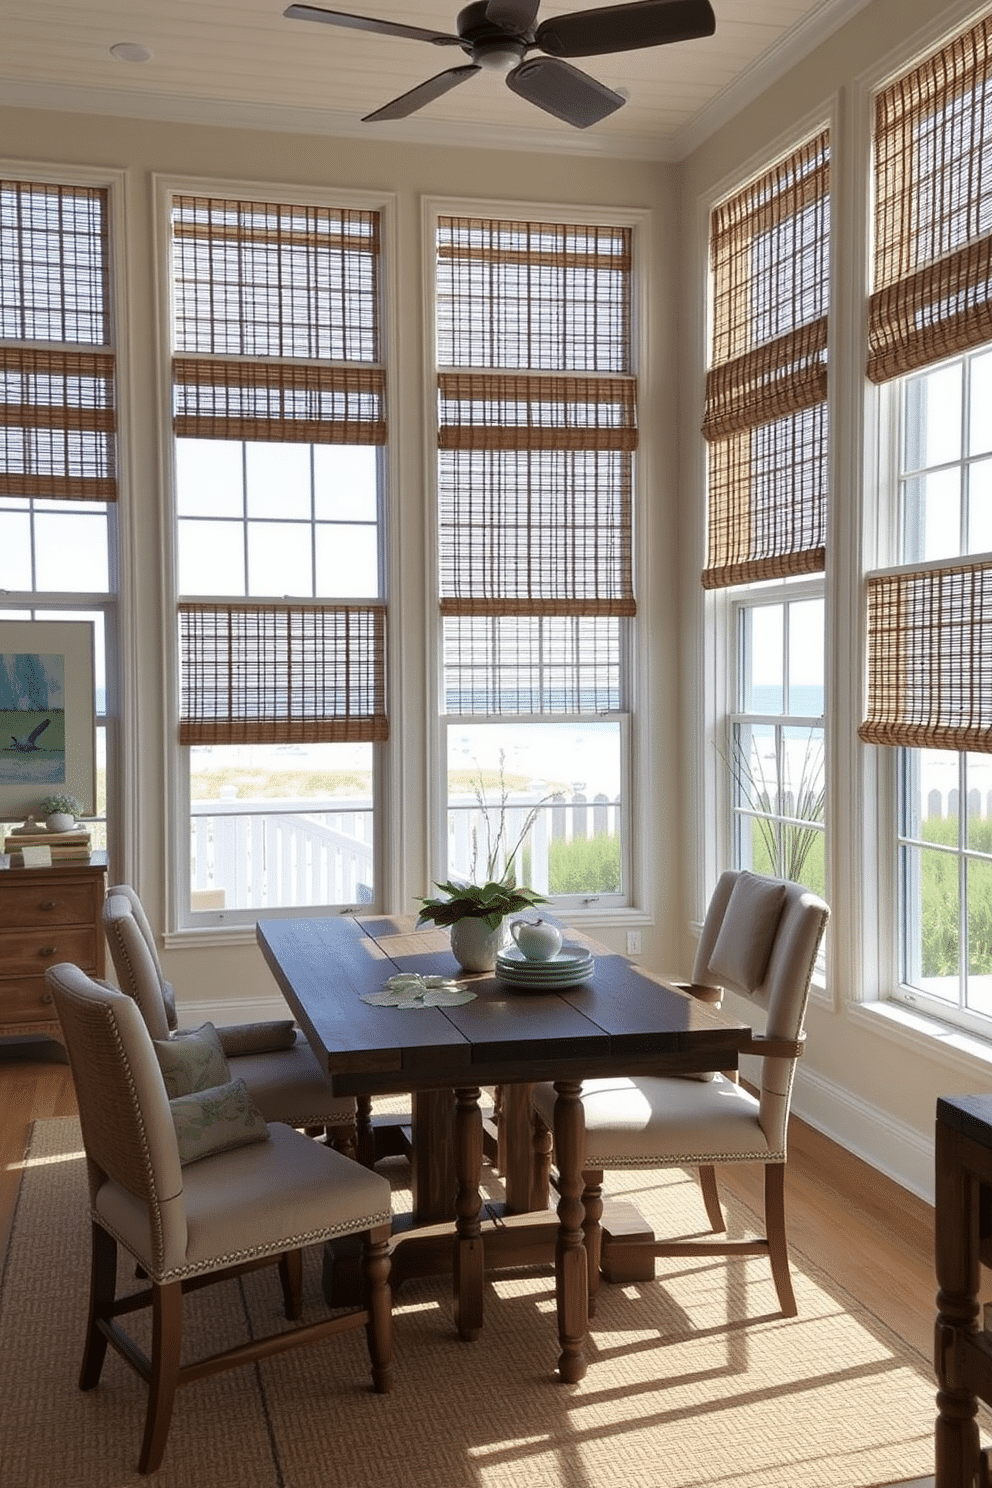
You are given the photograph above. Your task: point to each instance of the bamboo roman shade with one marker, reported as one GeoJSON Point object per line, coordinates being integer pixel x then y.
{"type": "Point", "coordinates": [282, 673]}
{"type": "Point", "coordinates": [933, 210]}
{"type": "Point", "coordinates": [270, 301]}
{"type": "Point", "coordinates": [537, 428]}
{"type": "Point", "coordinates": [58, 406]}
{"type": "Point", "coordinates": [929, 627]}
{"type": "Point", "coordinates": [277, 339]}
{"type": "Point", "coordinates": [765, 419]}
{"type": "Point", "coordinates": [929, 650]}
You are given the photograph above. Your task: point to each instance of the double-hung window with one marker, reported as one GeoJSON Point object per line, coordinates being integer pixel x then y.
{"type": "Point", "coordinates": [280, 427]}
{"type": "Point", "coordinates": [929, 616]}
{"type": "Point", "coordinates": [58, 428]}
{"type": "Point", "coordinates": [537, 429]}
{"type": "Point", "coordinates": [768, 470]}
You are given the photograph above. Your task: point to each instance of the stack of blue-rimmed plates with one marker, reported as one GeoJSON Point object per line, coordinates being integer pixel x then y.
{"type": "Point", "coordinates": [572, 964]}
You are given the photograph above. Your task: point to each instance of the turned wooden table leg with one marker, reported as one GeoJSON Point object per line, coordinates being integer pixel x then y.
{"type": "Point", "coordinates": [571, 1272]}
{"type": "Point", "coordinates": [469, 1259]}
{"type": "Point", "coordinates": [956, 1442]}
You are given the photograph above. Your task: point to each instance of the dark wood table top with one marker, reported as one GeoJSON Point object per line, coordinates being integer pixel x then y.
{"type": "Point", "coordinates": [623, 1018]}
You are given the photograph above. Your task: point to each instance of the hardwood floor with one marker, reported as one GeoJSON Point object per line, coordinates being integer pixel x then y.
{"type": "Point", "coordinates": [872, 1236]}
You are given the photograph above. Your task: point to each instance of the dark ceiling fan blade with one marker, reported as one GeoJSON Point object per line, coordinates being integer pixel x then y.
{"type": "Point", "coordinates": [625, 28]}
{"type": "Point", "coordinates": [424, 93]}
{"type": "Point", "coordinates": [513, 15]}
{"type": "Point", "coordinates": [368, 23]}
{"type": "Point", "coordinates": [564, 91]}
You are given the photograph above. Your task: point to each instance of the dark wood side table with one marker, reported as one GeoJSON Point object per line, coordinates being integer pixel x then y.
{"type": "Point", "coordinates": [963, 1244]}
{"type": "Point", "coordinates": [47, 915]}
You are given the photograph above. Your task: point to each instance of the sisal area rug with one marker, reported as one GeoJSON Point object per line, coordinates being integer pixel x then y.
{"type": "Point", "coordinates": [693, 1379]}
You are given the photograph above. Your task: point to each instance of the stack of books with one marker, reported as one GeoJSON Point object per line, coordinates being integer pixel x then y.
{"type": "Point", "coordinates": [65, 846]}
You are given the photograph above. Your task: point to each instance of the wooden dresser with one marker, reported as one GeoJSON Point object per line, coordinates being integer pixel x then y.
{"type": "Point", "coordinates": [47, 915]}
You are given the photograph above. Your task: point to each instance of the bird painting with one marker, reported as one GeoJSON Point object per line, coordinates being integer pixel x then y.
{"type": "Point", "coordinates": [29, 742]}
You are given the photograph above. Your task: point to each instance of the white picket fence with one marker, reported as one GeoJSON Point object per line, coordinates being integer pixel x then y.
{"type": "Point", "coordinates": [266, 855]}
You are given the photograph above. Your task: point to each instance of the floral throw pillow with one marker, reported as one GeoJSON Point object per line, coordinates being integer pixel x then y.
{"type": "Point", "coordinates": [216, 1120]}
{"type": "Point", "coordinates": [192, 1060]}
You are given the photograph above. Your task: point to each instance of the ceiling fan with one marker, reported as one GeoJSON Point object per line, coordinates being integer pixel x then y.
{"type": "Point", "coordinates": [498, 34]}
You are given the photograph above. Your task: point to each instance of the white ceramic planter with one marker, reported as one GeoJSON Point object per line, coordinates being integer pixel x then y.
{"type": "Point", "coordinates": [60, 821]}
{"type": "Point", "coordinates": [474, 945]}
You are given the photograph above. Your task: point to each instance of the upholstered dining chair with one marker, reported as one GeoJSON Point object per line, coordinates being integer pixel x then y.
{"type": "Point", "coordinates": [760, 939]}
{"type": "Point", "coordinates": [274, 1059]}
{"type": "Point", "coordinates": [196, 1189]}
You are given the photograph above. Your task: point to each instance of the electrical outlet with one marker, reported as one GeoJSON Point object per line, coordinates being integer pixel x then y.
{"type": "Point", "coordinates": [633, 942]}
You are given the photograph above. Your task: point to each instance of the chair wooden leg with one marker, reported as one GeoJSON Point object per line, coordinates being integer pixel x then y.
{"type": "Point", "coordinates": [778, 1245]}
{"type": "Point", "coordinates": [592, 1203]}
{"type": "Point", "coordinates": [103, 1287]}
{"type": "Point", "coordinates": [167, 1333]}
{"type": "Point", "coordinates": [711, 1197]}
{"type": "Point", "coordinates": [379, 1303]}
{"type": "Point", "coordinates": [344, 1139]}
{"type": "Point", "coordinates": [291, 1277]}
{"type": "Point", "coordinates": [365, 1139]}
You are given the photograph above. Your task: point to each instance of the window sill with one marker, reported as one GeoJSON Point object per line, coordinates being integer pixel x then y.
{"type": "Point", "coordinates": [966, 1053]}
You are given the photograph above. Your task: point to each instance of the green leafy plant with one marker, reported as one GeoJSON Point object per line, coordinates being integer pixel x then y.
{"type": "Point", "coordinates": [491, 902]}
{"type": "Point", "coordinates": [60, 801]}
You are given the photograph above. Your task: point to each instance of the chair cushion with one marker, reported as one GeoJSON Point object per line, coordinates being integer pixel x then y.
{"type": "Point", "coordinates": [654, 1121]}
{"type": "Point", "coordinates": [191, 1060]}
{"type": "Point", "coordinates": [257, 1038]}
{"type": "Point", "coordinates": [216, 1120]}
{"type": "Point", "coordinates": [289, 1085]}
{"type": "Point", "coordinates": [744, 944]}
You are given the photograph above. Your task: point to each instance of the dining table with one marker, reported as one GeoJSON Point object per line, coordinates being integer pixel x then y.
{"type": "Point", "coordinates": [621, 1020]}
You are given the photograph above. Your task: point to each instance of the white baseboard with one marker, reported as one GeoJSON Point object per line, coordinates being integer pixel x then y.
{"type": "Point", "coordinates": [232, 1010]}
{"type": "Point", "coordinates": [899, 1151]}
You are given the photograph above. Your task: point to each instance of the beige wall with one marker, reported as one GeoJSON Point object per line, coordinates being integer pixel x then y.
{"type": "Point", "coordinates": [869, 1079]}
{"type": "Point", "coordinates": [206, 973]}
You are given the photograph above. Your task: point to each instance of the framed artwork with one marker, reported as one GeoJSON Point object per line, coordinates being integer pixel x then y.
{"type": "Point", "coordinates": [47, 719]}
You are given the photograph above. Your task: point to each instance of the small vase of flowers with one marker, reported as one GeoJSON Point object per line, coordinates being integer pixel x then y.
{"type": "Point", "coordinates": [60, 811]}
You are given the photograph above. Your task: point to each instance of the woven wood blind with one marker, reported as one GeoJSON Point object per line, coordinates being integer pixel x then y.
{"type": "Point", "coordinates": [765, 416]}
{"type": "Point", "coordinates": [537, 427]}
{"type": "Point", "coordinates": [58, 418]}
{"type": "Point", "coordinates": [933, 210]}
{"type": "Point", "coordinates": [270, 299]}
{"type": "Point", "coordinates": [929, 650]}
{"type": "Point", "coordinates": [273, 673]}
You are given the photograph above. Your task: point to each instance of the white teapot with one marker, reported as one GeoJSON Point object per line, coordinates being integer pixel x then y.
{"type": "Point", "coordinates": [538, 940]}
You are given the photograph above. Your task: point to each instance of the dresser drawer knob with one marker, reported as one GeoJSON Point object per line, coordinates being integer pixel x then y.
{"type": "Point", "coordinates": [46, 997]}
{"type": "Point", "coordinates": [49, 904]}
{"type": "Point", "coordinates": [48, 951]}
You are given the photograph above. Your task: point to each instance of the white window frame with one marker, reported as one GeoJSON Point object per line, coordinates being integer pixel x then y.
{"type": "Point", "coordinates": [118, 603]}
{"type": "Point", "coordinates": [224, 927]}
{"type": "Point", "coordinates": [893, 764]}
{"type": "Point", "coordinates": [636, 766]}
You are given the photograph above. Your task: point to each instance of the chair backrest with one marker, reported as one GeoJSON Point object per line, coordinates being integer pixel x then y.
{"type": "Point", "coordinates": [764, 948]}
{"type": "Point", "coordinates": [716, 909]}
{"type": "Point", "coordinates": [135, 957]}
{"type": "Point", "coordinates": [124, 1113]}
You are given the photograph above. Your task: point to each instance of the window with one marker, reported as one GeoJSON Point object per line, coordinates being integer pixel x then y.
{"type": "Point", "coordinates": [944, 833]}
{"type": "Point", "coordinates": [58, 422]}
{"type": "Point", "coordinates": [776, 737]}
{"type": "Point", "coordinates": [768, 470]}
{"type": "Point", "coordinates": [279, 419]}
{"type": "Point", "coordinates": [929, 619]}
{"type": "Point", "coordinates": [537, 428]}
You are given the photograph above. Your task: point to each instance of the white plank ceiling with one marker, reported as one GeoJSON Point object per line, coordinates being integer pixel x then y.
{"type": "Point", "coordinates": [241, 63]}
